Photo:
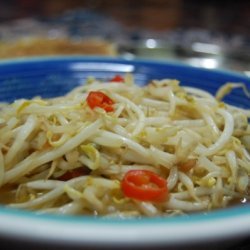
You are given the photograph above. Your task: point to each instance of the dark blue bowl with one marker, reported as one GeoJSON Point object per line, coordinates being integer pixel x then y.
{"type": "Point", "coordinates": [49, 77]}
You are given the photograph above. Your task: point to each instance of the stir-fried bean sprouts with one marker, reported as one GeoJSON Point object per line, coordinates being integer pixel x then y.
{"type": "Point", "coordinates": [66, 155]}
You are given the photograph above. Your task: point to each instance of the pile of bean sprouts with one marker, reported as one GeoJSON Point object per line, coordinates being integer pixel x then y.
{"type": "Point", "coordinates": [199, 144]}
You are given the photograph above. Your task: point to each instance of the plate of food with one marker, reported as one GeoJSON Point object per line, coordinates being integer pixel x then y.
{"type": "Point", "coordinates": [109, 152]}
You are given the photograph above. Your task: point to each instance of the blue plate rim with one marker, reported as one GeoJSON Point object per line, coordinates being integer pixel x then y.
{"type": "Point", "coordinates": [118, 59]}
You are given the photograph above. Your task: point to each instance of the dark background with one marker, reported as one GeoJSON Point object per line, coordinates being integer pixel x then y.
{"type": "Point", "coordinates": [228, 16]}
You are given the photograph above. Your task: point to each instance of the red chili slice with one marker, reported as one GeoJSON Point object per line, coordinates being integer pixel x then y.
{"type": "Point", "coordinates": [99, 99]}
{"type": "Point", "coordinates": [144, 185]}
{"type": "Point", "coordinates": [81, 171]}
{"type": "Point", "coordinates": [117, 78]}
